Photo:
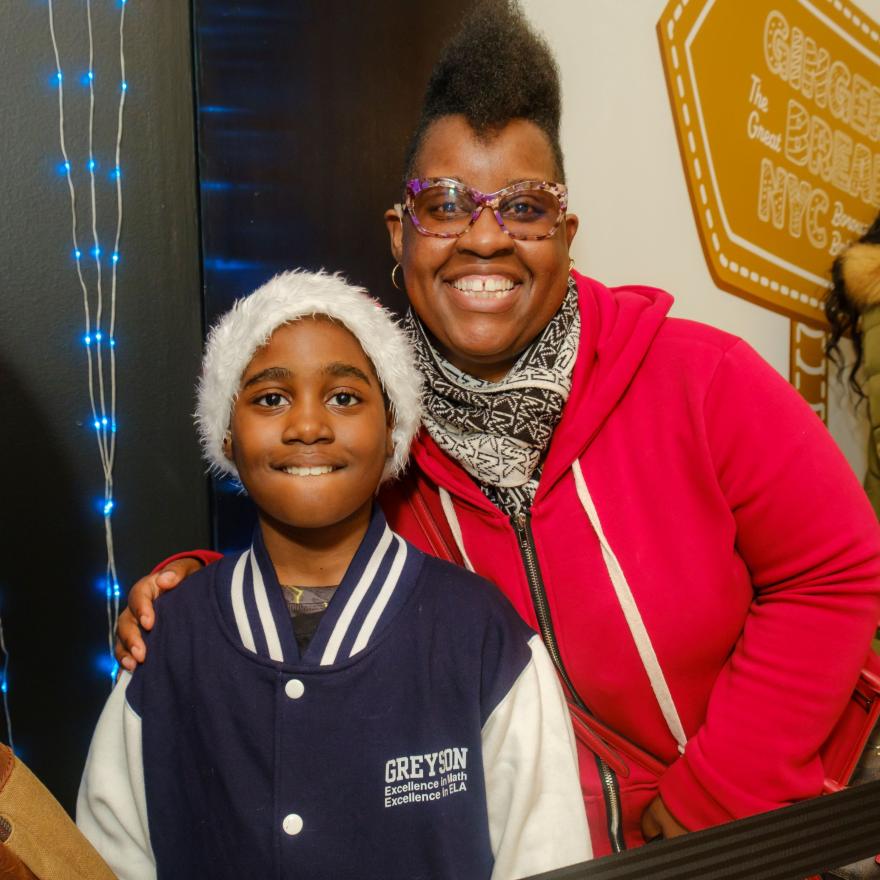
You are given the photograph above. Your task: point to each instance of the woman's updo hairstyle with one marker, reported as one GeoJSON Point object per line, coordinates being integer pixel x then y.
{"type": "Point", "coordinates": [495, 69]}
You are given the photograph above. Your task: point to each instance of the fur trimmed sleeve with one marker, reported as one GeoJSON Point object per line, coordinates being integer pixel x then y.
{"type": "Point", "coordinates": [860, 265]}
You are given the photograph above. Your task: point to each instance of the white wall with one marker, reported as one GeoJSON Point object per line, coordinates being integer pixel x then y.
{"type": "Point", "coordinates": [627, 184]}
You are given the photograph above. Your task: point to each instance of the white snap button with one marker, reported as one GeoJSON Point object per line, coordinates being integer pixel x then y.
{"type": "Point", "coordinates": [292, 824]}
{"type": "Point", "coordinates": [294, 689]}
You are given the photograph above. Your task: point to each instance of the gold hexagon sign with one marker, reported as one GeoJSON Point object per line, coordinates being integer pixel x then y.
{"type": "Point", "coordinates": [777, 111]}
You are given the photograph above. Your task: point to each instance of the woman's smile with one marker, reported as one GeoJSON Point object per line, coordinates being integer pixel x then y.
{"type": "Point", "coordinates": [488, 286]}
{"type": "Point", "coordinates": [483, 293]}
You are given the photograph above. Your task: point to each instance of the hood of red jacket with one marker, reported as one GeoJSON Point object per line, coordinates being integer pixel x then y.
{"type": "Point", "coordinates": [618, 326]}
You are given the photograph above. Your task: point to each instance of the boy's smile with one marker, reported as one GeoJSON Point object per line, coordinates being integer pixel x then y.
{"type": "Point", "coordinates": [309, 471]}
{"type": "Point", "coordinates": [310, 435]}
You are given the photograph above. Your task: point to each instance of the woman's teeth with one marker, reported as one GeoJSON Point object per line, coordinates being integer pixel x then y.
{"type": "Point", "coordinates": [309, 471]}
{"type": "Point", "coordinates": [484, 288]}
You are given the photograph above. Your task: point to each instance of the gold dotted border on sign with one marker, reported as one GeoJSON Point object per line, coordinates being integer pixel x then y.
{"type": "Point", "coordinates": [798, 367]}
{"type": "Point", "coordinates": [857, 22]}
{"type": "Point", "coordinates": [734, 266]}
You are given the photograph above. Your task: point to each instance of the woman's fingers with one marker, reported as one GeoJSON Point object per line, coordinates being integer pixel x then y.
{"type": "Point", "coordinates": [144, 593]}
{"type": "Point", "coordinates": [130, 648]}
{"type": "Point", "coordinates": [651, 829]}
{"type": "Point", "coordinates": [658, 822]}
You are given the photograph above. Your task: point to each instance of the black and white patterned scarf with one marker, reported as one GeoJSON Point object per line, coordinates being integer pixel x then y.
{"type": "Point", "coordinates": [499, 431]}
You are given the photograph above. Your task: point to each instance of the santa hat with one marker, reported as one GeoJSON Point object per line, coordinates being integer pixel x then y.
{"type": "Point", "coordinates": [247, 326]}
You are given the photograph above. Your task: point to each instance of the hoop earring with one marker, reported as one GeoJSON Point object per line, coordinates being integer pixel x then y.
{"type": "Point", "coordinates": [394, 276]}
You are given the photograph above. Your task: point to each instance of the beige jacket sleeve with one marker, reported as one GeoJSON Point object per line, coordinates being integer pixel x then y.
{"type": "Point", "coordinates": [37, 837]}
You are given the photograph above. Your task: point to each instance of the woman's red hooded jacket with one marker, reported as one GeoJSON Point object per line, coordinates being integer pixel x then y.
{"type": "Point", "coordinates": [709, 560]}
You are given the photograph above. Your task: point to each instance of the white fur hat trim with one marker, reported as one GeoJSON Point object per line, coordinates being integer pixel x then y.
{"type": "Point", "coordinates": [247, 326]}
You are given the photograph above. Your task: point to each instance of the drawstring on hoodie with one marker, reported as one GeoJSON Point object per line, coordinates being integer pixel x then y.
{"type": "Point", "coordinates": [631, 613]}
{"type": "Point", "coordinates": [454, 526]}
{"type": "Point", "coordinates": [621, 589]}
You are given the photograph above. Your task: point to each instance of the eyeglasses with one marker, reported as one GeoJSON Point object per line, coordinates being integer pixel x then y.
{"type": "Point", "coordinates": [446, 208]}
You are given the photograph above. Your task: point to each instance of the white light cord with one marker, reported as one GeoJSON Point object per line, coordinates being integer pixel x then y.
{"type": "Point", "coordinates": [102, 361]}
{"type": "Point", "coordinates": [4, 687]}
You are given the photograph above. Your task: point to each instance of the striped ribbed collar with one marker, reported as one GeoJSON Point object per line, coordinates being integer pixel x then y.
{"type": "Point", "coordinates": [378, 581]}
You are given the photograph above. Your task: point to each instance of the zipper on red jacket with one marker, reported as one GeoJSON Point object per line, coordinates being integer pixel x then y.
{"type": "Point", "coordinates": [610, 788]}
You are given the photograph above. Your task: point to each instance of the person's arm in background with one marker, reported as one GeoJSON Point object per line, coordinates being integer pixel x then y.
{"type": "Point", "coordinates": [168, 574]}
{"type": "Point", "coordinates": [811, 543]}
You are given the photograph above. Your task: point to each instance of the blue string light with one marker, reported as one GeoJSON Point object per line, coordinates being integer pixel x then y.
{"type": "Point", "coordinates": [103, 416]}
{"type": "Point", "coordinates": [107, 665]}
{"type": "Point", "coordinates": [4, 688]}
{"type": "Point", "coordinates": [110, 588]}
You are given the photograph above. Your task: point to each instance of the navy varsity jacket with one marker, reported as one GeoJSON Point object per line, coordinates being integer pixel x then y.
{"type": "Point", "coordinates": [423, 733]}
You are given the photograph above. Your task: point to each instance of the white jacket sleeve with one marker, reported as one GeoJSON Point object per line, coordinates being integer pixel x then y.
{"type": "Point", "coordinates": [111, 809]}
{"type": "Point", "coordinates": [537, 821]}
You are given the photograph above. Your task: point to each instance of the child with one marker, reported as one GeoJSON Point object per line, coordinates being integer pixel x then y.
{"type": "Point", "coordinates": [407, 724]}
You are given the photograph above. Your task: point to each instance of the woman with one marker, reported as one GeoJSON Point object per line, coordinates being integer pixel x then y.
{"type": "Point", "coordinates": [853, 309]}
{"type": "Point", "coordinates": [645, 490]}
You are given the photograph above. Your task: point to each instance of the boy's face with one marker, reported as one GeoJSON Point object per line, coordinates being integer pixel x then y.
{"type": "Point", "coordinates": [310, 433]}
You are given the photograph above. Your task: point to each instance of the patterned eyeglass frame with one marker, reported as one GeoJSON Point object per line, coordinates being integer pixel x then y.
{"type": "Point", "coordinates": [485, 200]}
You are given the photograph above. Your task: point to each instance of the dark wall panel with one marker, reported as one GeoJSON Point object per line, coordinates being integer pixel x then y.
{"type": "Point", "coordinates": [305, 109]}
{"type": "Point", "coordinates": [51, 539]}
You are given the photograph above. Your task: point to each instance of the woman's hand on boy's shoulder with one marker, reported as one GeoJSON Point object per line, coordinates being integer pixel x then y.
{"type": "Point", "coordinates": [130, 648]}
